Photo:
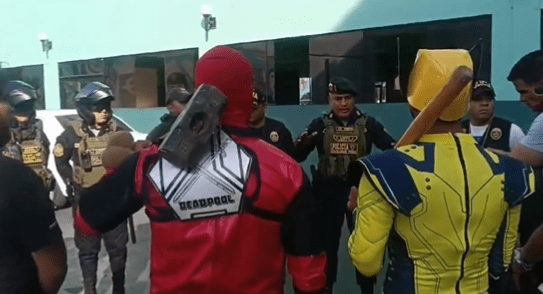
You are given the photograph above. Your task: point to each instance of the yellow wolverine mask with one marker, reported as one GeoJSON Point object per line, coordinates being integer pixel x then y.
{"type": "Point", "coordinates": [431, 71]}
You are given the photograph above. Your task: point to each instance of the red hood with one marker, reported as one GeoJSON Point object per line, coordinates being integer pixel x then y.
{"type": "Point", "coordinates": [232, 74]}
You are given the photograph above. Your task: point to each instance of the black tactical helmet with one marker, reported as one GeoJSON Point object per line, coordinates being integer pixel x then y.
{"type": "Point", "coordinates": [21, 97]}
{"type": "Point", "coordinates": [92, 94]}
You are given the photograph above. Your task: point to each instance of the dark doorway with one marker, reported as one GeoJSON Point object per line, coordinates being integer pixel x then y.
{"type": "Point", "coordinates": [291, 64]}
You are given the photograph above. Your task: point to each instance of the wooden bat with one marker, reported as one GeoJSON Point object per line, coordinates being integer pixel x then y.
{"type": "Point", "coordinates": [461, 76]}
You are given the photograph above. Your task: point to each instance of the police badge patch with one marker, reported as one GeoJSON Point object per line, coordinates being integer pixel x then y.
{"type": "Point", "coordinates": [496, 134]}
{"type": "Point", "coordinates": [274, 136]}
{"type": "Point", "coordinates": [59, 150]}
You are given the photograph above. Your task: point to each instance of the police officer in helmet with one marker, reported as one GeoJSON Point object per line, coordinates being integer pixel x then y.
{"type": "Point", "coordinates": [84, 142]}
{"type": "Point", "coordinates": [28, 141]}
{"type": "Point", "coordinates": [342, 135]}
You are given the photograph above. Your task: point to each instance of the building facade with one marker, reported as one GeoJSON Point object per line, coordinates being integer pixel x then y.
{"type": "Point", "coordinates": [295, 46]}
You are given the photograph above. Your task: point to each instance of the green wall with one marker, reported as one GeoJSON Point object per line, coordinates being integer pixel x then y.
{"type": "Point", "coordinates": [131, 27]}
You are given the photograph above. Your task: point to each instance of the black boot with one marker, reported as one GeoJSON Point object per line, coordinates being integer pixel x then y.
{"type": "Point", "coordinates": [90, 285]}
{"type": "Point", "coordinates": [118, 282]}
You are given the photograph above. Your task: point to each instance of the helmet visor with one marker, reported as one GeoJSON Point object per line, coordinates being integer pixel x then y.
{"type": "Point", "coordinates": [99, 107]}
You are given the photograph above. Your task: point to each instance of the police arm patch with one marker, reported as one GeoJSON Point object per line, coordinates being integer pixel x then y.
{"type": "Point", "coordinates": [274, 136]}
{"type": "Point", "coordinates": [58, 151]}
{"type": "Point", "coordinates": [496, 134]}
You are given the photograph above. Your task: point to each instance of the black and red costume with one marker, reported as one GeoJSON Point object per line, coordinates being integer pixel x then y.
{"type": "Point", "coordinates": [241, 252]}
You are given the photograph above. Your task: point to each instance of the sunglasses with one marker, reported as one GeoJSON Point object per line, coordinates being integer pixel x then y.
{"type": "Point", "coordinates": [100, 107]}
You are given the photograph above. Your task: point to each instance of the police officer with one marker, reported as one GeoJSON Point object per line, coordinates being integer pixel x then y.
{"type": "Point", "coordinates": [268, 129]}
{"type": "Point", "coordinates": [28, 141]}
{"type": "Point", "coordinates": [341, 136]}
{"type": "Point", "coordinates": [176, 99]}
{"type": "Point", "coordinates": [487, 129]}
{"type": "Point", "coordinates": [84, 142]}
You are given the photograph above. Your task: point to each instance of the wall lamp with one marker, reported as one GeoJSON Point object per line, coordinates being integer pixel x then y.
{"type": "Point", "coordinates": [209, 22]}
{"type": "Point", "coordinates": [46, 44]}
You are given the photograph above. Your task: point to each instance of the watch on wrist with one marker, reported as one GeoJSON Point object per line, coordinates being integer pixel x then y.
{"type": "Point", "coordinates": [527, 266]}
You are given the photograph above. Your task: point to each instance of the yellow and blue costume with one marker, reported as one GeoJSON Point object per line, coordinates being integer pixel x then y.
{"type": "Point", "coordinates": [446, 209]}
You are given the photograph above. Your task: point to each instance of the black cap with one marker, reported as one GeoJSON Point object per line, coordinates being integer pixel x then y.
{"type": "Point", "coordinates": [178, 94]}
{"type": "Point", "coordinates": [481, 88]}
{"type": "Point", "coordinates": [340, 85]}
{"type": "Point", "coordinates": [259, 98]}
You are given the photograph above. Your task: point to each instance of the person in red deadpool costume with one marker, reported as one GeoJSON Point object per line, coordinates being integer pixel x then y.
{"type": "Point", "coordinates": [245, 249]}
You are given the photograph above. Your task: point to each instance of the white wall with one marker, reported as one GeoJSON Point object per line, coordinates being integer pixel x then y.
{"type": "Point", "coordinates": [82, 29]}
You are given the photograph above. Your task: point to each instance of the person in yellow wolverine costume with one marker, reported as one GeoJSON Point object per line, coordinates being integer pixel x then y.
{"type": "Point", "coordinates": [446, 209]}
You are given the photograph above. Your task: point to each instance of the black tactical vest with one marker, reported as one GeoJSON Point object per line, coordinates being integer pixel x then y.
{"type": "Point", "coordinates": [496, 135]}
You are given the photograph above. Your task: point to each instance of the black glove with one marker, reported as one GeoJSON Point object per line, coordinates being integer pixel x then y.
{"type": "Point", "coordinates": [305, 141]}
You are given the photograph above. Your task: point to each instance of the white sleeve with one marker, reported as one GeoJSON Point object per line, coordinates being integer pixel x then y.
{"type": "Point", "coordinates": [534, 138]}
{"type": "Point", "coordinates": [515, 136]}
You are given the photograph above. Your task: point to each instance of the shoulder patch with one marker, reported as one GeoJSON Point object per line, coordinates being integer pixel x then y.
{"type": "Point", "coordinates": [496, 134]}
{"type": "Point", "coordinates": [274, 136]}
{"type": "Point", "coordinates": [58, 151]}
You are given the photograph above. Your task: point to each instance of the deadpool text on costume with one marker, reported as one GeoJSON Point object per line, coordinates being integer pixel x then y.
{"type": "Point", "coordinates": [206, 202]}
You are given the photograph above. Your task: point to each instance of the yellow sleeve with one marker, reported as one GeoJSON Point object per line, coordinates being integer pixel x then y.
{"type": "Point", "coordinates": [374, 219]}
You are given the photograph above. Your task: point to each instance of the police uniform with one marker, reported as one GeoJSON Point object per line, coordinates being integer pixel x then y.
{"type": "Point", "coordinates": [28, 141]}
{"type": "Point", "coordinates": [500, 134]}
{"type": "Point", "coordinates": [277, 134]}
{"type": "Point", "coordinates": [446, 209]}
{"type": "Point", "coordinates": [273, 131]}
{"type": "Point", "coordinates": [339, 143]}
{"type": "Point", "coordinates": [84, 147]}
{"type": "Point", "coordinates": [157, 134]}
{"type": "Point", "coordinates": [31, 146]}
{"type": "Point", "coordinates": [496, 135]}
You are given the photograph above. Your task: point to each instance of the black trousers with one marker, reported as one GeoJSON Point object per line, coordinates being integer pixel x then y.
{"type": "Point", "coordinates": [332, 196]}
{"type": "Point", "coordinates": [89, 247]}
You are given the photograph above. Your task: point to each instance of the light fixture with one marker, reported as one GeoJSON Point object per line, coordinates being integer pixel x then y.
{"type": "Point", "coordinates": [209, 22]}
{"type": "Point", "coordinates": [46, 44]}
